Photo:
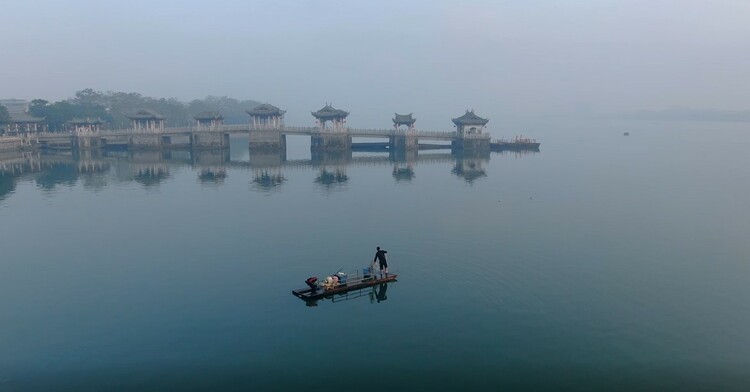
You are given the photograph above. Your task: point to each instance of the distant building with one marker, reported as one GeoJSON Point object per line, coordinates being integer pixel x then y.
{"type": "Point", "coordinates": [21, 122]}
{"type": "Point", "coordinates": [15, 105]}
{"type": "Point", "coordinates": [337, 118]}
{"type": "Point", "coordinates": [147, 120]}
{"type": "Point", "coordinates": [209, 119]}
{"type": "Point", "coordinates": [266, 116]}
{"type": "Point", "coordinates": [470, 124]}
{"type": "Point", "coordinates": [404, 119]}
{"type": "Point", "coordinates": [83, 126]}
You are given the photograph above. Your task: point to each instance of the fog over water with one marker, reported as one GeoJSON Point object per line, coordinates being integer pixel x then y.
{"type": "Point", "coordinates": [434, 58]}
{"type": "Point", "coordinates": [612, 257]}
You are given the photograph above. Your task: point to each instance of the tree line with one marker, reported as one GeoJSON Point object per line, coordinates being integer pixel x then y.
{"type": "Point", "coordinates": [113, 107]}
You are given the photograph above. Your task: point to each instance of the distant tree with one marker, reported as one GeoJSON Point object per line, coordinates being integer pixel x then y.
{"type": "Point", "coordinates": [58, 114]}
{"type": "Point", "coordinates": [37, 107]}
{"type": "Point", "coordinates": [114, 107]}
{"type": "Point", "coordinates": [231, 109]}
{"type": "Point", "coordinates": [89, 96]}
{"type": "Point", "coordinates": [58, 174]}
{"type": "Point", "coordinates": [4, 115]}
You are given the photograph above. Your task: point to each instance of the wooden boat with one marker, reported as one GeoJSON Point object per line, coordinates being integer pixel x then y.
{"type": "Point", "coordinates": [519, 143]}
{"type": "Point", "coordinates": [312, 294]}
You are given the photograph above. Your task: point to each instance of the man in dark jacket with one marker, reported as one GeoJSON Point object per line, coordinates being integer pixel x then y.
{"type": "Point", "coordinates": [380, 257]}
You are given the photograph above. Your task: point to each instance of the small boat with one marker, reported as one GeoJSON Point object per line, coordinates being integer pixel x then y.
{"type": "Point", "coordinates": [519, 143]}
{"type": "Point", "coordinates": [340, 283]}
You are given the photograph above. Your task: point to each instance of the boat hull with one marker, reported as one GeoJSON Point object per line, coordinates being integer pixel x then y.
{"type": "Point", "coordinates": [309, 294]}
{"type": "Point", "coordinates": [514, 146]}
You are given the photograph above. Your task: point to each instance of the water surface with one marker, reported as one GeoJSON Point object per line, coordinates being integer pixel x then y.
{"type": "Point", "coordinates": [602, 262]}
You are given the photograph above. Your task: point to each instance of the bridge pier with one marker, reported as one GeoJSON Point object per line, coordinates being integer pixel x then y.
{"type": "Point", "coordinates": [267, 159]}
{"type": "Point", "coordinates": [330, 142]}
{"type": "Point", "coordinates": [145, 142]}
{"type": "Point", "coordinates": [403, 142]}
{"type": "Point", "coordinates": [403, 155]}
{"type": "Point", "coordinates": [471, 144]}
{"type": "Point", "coordinates": [84, 142]}
{"type": "Point", "coordinates": [267, 140]}
{"type": "Point", "coordinates": [203, 140]}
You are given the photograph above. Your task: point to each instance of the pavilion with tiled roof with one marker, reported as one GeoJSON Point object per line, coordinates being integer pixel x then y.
{"type": "Point", "coordinates": [266, 110]}
{"type": "Point", "coordinates": [86, 125]}
{"type": "Point", "coordinates": [266, 116]}
{"type": "Point", "coordinates": [470, 123]}
{"type": "Point", "coordinates": [209, 119]}
{"type": "Point", "coordinates": [404, 119]}
{"type": "Point", "coordinates": [147, 120]}
{"type": "Point", "coordinates": [21, 122]}
{"type": "Point", "coordinates": [337, 117]}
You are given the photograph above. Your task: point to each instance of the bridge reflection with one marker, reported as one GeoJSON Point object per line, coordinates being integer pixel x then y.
{"type": "Point", "coordinates": [96, 169]}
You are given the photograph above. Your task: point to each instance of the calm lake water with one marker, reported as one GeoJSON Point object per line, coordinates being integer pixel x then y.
{"type": "Point", "coordinates": [604, 262]}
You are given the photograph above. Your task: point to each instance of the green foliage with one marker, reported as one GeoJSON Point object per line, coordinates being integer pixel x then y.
{"type": "Point", "coordinates": [58, 114]}
{"type": "Point", "coordinates": [231, 109]}
{"type": "Point", "coordinates": [113, 107]}
{"type": "Point", "coordinates": [120, 104]}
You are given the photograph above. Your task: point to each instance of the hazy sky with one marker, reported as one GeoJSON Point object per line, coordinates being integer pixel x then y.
{"type": "Point", "coordinates": [433, 58]}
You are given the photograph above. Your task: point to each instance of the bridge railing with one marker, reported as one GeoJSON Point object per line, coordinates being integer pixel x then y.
{"type": "Point", "coordinates": [249, 127]}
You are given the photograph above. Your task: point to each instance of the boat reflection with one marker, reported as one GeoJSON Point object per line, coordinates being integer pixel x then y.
{"type": "Point", "coordinates": [376, 295]}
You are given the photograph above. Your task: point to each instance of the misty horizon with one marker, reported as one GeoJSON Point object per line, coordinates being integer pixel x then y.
{"type": "Point", "coordinates": [435, 59]}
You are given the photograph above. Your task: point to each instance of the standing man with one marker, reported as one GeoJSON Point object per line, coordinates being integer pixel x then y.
{"type": "Point", "coordinates": [380, 257]}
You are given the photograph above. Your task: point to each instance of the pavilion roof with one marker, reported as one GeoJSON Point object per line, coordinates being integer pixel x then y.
{"type": "Point", "coordinates": [469, 118]}
{"type": "Point", "coordinates": [404, 119]}
{"type": "Point", "coordinates": [23, 117]}
{"type": "Point", "coordinates": [329, 111]}
{"type": "Point", "coordinates": [86, 121]}
{"type": "Point", "coordinates": [144, 114]}
{"type": "Point", "coordinates": [265, 110]}
{"type": "Point", "coordinates": [208, 116]}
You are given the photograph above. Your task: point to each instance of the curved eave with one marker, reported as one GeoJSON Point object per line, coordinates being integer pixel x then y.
{"type": "Point", "coordinates": [401, 122]}
{"type": "Point", "coordinates": [341, 114]}
{"type": "Point", "coordinates": [267, 114]}
{"type": "Point", "coordinates": [470, 122]}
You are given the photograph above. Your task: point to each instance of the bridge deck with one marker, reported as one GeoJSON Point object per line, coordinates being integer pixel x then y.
{"type": "Point", "coordinates": [246, 128]}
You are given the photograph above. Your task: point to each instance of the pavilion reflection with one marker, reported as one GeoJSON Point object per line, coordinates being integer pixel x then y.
{"type": "Point", "coordinates": [471, 167]}
{"type": "Point", "coordinates": [403, 164]}
{"type": "Point", "coordinates": [331, 168]}
{"type": "Point", "coordinates": [150, 175]}
{"type": "Point", "coordinates": [330, 177]}
{"type": "Point", "coordinates": [266, 180]}
{"type": "Point", "coordinates": [95, 170]}
{"type": "Point", "coordinates": [212, 165]}
{"type": "Point", "coordinates": [212, 175]}
{"type": "Point", "coordinates": [266, 166]}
